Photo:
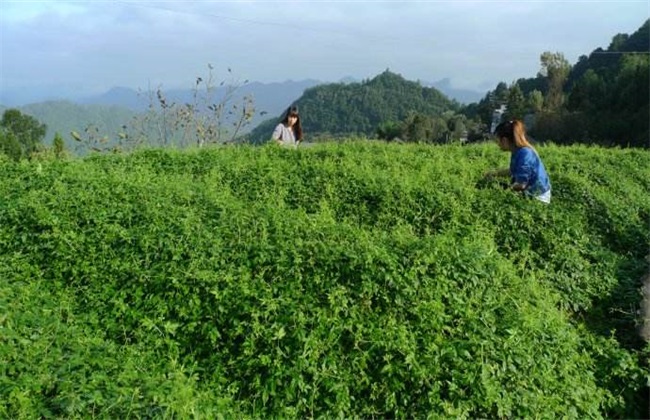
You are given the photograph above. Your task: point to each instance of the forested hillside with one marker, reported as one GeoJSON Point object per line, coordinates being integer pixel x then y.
{"type": "Point", "coordinates": [338, 109]}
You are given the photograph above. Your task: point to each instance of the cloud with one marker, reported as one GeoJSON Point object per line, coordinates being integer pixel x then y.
{"type": "Point", "coordinates": [99, 44]}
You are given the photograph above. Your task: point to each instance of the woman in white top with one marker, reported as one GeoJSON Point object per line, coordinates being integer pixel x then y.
{"type": "Point", "coordinates": [289, 131]}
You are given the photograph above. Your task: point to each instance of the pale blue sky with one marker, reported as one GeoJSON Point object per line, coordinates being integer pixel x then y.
{"type": "Point", "coordinates": [90, 46]}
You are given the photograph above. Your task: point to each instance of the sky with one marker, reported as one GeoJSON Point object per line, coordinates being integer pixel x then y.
{"type": "Point", "coordinates": [90, 46]}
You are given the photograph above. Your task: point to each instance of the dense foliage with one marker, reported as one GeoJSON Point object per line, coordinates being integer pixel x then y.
{"type": "Point", "coordinates": [20, 134]}
{"type": "Point", "coordinates": [342, 280]}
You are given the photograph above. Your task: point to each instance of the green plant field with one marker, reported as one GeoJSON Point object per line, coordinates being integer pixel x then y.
{"type": "Point", "coordinates": [358, 280]}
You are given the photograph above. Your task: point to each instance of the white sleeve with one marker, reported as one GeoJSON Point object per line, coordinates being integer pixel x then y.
{"type": "Point", "coordinates": [277, 133]}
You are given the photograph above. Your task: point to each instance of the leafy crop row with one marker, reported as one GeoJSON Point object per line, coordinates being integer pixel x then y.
{"type": "Point", "coordinates": [350, 280]}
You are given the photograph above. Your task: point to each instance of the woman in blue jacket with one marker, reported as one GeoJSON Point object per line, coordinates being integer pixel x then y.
{"type": "Point", "coordinates": [527, 172]}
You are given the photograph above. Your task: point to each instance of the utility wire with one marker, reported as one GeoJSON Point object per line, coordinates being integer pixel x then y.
{"type": "Point", "coordinates": [283, 25]}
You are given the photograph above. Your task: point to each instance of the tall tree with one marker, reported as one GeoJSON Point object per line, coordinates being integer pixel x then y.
{"type": "Point", "coordinates": [631, 99]}
{"type": "Point", "coordinates": [58, 145]}
{"type": "Point", "coordinates": [618, 42]}
{"type": "Point", "coordinates": [535, 101]}
{"type": "Point", "coordinates": [588, 94]}
{"type": "Point", "coordinates": [23, 129]}
{"type": "Point", "coordinates": [631, 86]}
{"type": "Point", "coordinates": [9, 145]}
{"type": "Point", "coordinates": [516, 105]}
{"type": "Point", "coordinates": [556, 69]}
{"type": "Point", "coordinates": [500, 95]}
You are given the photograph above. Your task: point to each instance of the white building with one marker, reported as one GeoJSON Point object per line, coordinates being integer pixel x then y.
{"type": "Point", "coordinates": [497, 115]}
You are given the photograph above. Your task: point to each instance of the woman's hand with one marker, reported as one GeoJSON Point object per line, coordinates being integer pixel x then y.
{"type": "Point", "coordinates": [497, 173]}
{"type": "Point", "coordinates": [518, 187]}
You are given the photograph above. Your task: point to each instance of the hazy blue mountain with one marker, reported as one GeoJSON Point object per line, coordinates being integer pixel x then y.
{"type": "Point", "coordinates": [273, 98]}
{"type": "Point", "coordinates": [118, 96]}
{"type": "Point", "coordinates": [13, 98]}
{"type": "Point", "coordinates": [267, 97]}
{"type": "Point", "coordinates": [464, 96]}
{"type": "Point", "coordinates": [349, 79]}
{"type": "Point", "coordinates": [64, 117]}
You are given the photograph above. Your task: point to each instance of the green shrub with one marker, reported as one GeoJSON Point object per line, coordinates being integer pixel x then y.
{"type": "Point", "coordinates": [351, 280]}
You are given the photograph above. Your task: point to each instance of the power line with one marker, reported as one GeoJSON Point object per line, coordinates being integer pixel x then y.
{"type": "Point", "coordinates": [252, 21]}
{"type": "Point", "coordinates": [621, 52]}
{"type": "Point", "coordinates": [156, 7]}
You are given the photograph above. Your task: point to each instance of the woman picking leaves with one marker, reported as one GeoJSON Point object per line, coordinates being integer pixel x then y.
{"type": "Point", "coordinates": [527, 171]}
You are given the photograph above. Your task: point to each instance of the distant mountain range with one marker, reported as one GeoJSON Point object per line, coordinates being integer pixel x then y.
{"type": "Point", "coordinates": [266, 95]}
{"type": "Point", "coordinates": [109, 111]}
{"type": "Point", "coordinates": [464, 96]}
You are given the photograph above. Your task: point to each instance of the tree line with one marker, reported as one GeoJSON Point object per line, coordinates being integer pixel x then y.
{"type": "Point", "coordinates": [602, 99]}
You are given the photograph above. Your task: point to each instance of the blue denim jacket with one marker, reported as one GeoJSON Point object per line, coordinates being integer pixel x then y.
{"type": "Point", "coordinates": [527, 168]}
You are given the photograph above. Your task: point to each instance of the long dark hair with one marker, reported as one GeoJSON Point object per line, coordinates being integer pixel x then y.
{"type": "Point", "coordinates": [297, 127]}
{"type": "Point", "coordinates": [515, 132]}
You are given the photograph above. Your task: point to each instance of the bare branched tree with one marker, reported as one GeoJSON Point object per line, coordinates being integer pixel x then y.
{"type": "Point", "coordinates": [214, 115]}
